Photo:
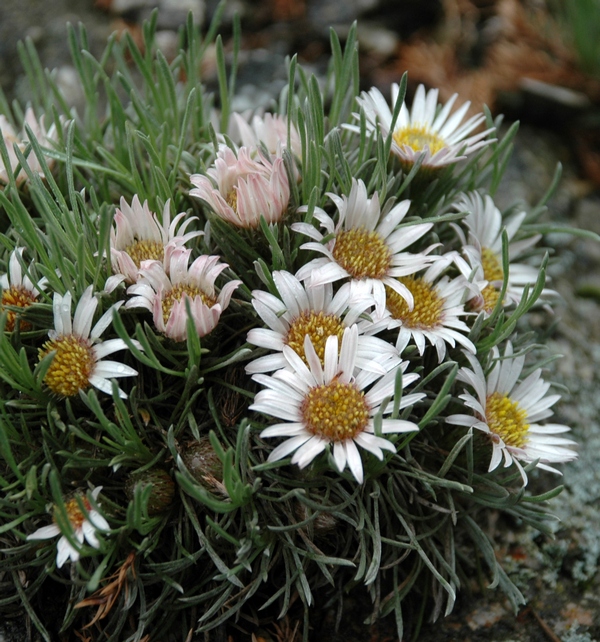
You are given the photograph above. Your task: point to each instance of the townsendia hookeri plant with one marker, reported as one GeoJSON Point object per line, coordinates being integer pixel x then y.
{"type": "Point", "coordinates": [322, 381]}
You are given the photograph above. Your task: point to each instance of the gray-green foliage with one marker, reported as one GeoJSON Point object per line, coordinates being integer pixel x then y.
{"type": "Point", "coordinates": [267, 535]}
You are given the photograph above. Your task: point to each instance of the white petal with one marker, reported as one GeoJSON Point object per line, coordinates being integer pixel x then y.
{"type": "Point", "coordinates": [284, 430]}
{"type": "Point", "coordinates": [354, 460]}
{"type": "Point", "coordinates": [64, 551]}
{"type": "Point", "coordinates": [284, 449]}
{"type": "Point", "coordinates": [339, 455]}
{"type": "Point", "coordinates": [46, 532]}
{"type": "Point", "coordinates": [105, 320]}
{"type": "Point", "coordinates": [308, 451]}
{"type": "Point", "coordinates": [84, 313]}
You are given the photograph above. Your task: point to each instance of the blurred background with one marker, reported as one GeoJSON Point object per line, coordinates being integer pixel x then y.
{"type": "Point", "coordinates": [536, 61]}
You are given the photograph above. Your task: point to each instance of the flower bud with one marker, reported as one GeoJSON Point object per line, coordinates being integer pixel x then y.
{"type": "Point", "coordinates": [321, 525]}
{"type": "Point", "coordinates": [204, 464]}
{"type": "Point", "coordinates": [163, 488]}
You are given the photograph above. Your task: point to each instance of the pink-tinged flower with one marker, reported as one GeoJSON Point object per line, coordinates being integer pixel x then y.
{"type": "Point", "coordinates": [311, 310]}
{"type": "Point", "coordinates": [78, 354]}
{"type": "Point", "coordinates": [509, 412]}
{"type": "Point", "coordinates": [437, 137]}
{"type": "Point", "coordinates": [138, 235]}
{"type": "Point", "coordinates": [45, 138]}
{"type": "Point", "coordinates": [246, 188]}
{"type": "Point", "coordinates": [165, 293]}
{"type": "Point", "coordinates": [331, 403]}
{"type": "Point", "coordinates": [483, 252]}
{"type": "Point", "coordinates": [18, 291]}
{"type": "Point", "coordinates": [83, 524]}
{"type": "Point", "coordinates": [365, 244]}
{"type": "Point", "coordinates": [270, 130]}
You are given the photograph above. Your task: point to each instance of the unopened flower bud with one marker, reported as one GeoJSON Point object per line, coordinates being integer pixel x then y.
{"type": "Point", "coordinates": [163, 489]}
{"type": "Point", "coordinates": [321, 525]}
{"type": "Point", "coordinates": [204, 464]}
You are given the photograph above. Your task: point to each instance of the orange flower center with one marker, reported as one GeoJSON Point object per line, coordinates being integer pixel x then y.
{"type": "Point", "coordinates": [74, 512]}
{"type": "Point", "coordinates": [20, 297]}
{"type": "Point", "coordinates": [72, 365]}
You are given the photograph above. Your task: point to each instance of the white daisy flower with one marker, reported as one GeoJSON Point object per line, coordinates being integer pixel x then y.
{"type": "Point", "coordinates": [510, 412]}
{"type": "Point", "coordinates": [364, 245]}
{"type": "Point", "coordinates": [435, 315]}
{"type": "Point", "coordinates": [331, 404]}
{"type": "Point", "coordinates": [312, 311]}
{"type": "Point", "coordinates": [483, 251]}
{"type": "Point", "coordinates": [84, 524]}
{"type": "Point", "coordinates": [138, 235]}
{"type": "Point", "coordinates": [18, 290]}
{"type": "Point", "coordinates": [424, 132]}
{"type": "Point", "coordinates": [165, 292]}
{"type": "Point", "coordinates": [78, 360]}
{"type": "Point", "coordinates": [46, 138]}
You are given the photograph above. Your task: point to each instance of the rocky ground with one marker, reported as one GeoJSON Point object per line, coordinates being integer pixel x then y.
{"type": "Point", "coordinates": [559, 577]}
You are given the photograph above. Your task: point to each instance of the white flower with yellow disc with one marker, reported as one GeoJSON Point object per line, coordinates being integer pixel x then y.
{"type": "Point", "coordinates": [365, 244]}
{"type": "Point", "coordinates": [331, 404]}
{"type": "Point", "coordinates": [435, 136]}
{"type": "Point", "coordinates": [78, 353]}
{"type": "Point", "coordinates": [509, 412]}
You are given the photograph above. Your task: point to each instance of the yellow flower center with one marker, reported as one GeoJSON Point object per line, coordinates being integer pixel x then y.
{"type": "Point", "coordinates": [417, 137]}
{"type": "Point", "coordinates": [146, 250]}
{"type": "Point", "coordinates": [180, 291]}
{"type": "Point", "coordinates": [427, 311]}
{"type": "Point", "coordinates": [74, 512]}
{"type": "Point", "coordinates": [492, 271]}
{"type": "Point", "coordinates": [506, 419]}
{"type": "Point", "coordinates": [362, 254]}
{"type": "Point", "coordinates": [492, 268]}
{"type": "Point", "coordinates": [72, 366]}
{"type": "Point", "coordinates": [490, 296]}
{"type": "Point", "coordinates": [319, 327]}
{"type": "Point", "coordinates": [20, 297]}
{"type": "Point", "coordinates": [231, 200]}
{"type": "Point", "coordinates": [335, 411]}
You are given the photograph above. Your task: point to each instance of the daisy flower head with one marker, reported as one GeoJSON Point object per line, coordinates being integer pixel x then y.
{"type": "Point", "coordinates": [434, 136]}
{"type": "Point", "coordinates": [364, 244]}
{"type": "Point", "coordinates": [84, 522]}
{"type": "Point", "coordinates": [246, 187]}
{"type": "Point", "coordinates": [138, 235]}
{"type": "Point", "coordinates": [270, 130]}
{"type": "Point", "coordinates": [435, 316]}
{"type": "Point", "coordinates": [18, 291]}
{"type": "Point", "coordinates": [78, 354]}
{"type": "Point", "coordinates": [483, 252]}
{"type": "Point", "coordinates": [509, 411]}
{"type": "Point", "coordinates": [165, 292]}
{"type": "Point", "coordinates": [314, 311]}
{"type": "Point", "coordinates": [45, 137]}
{"type": "Point", "coordinates": [331, 405]}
